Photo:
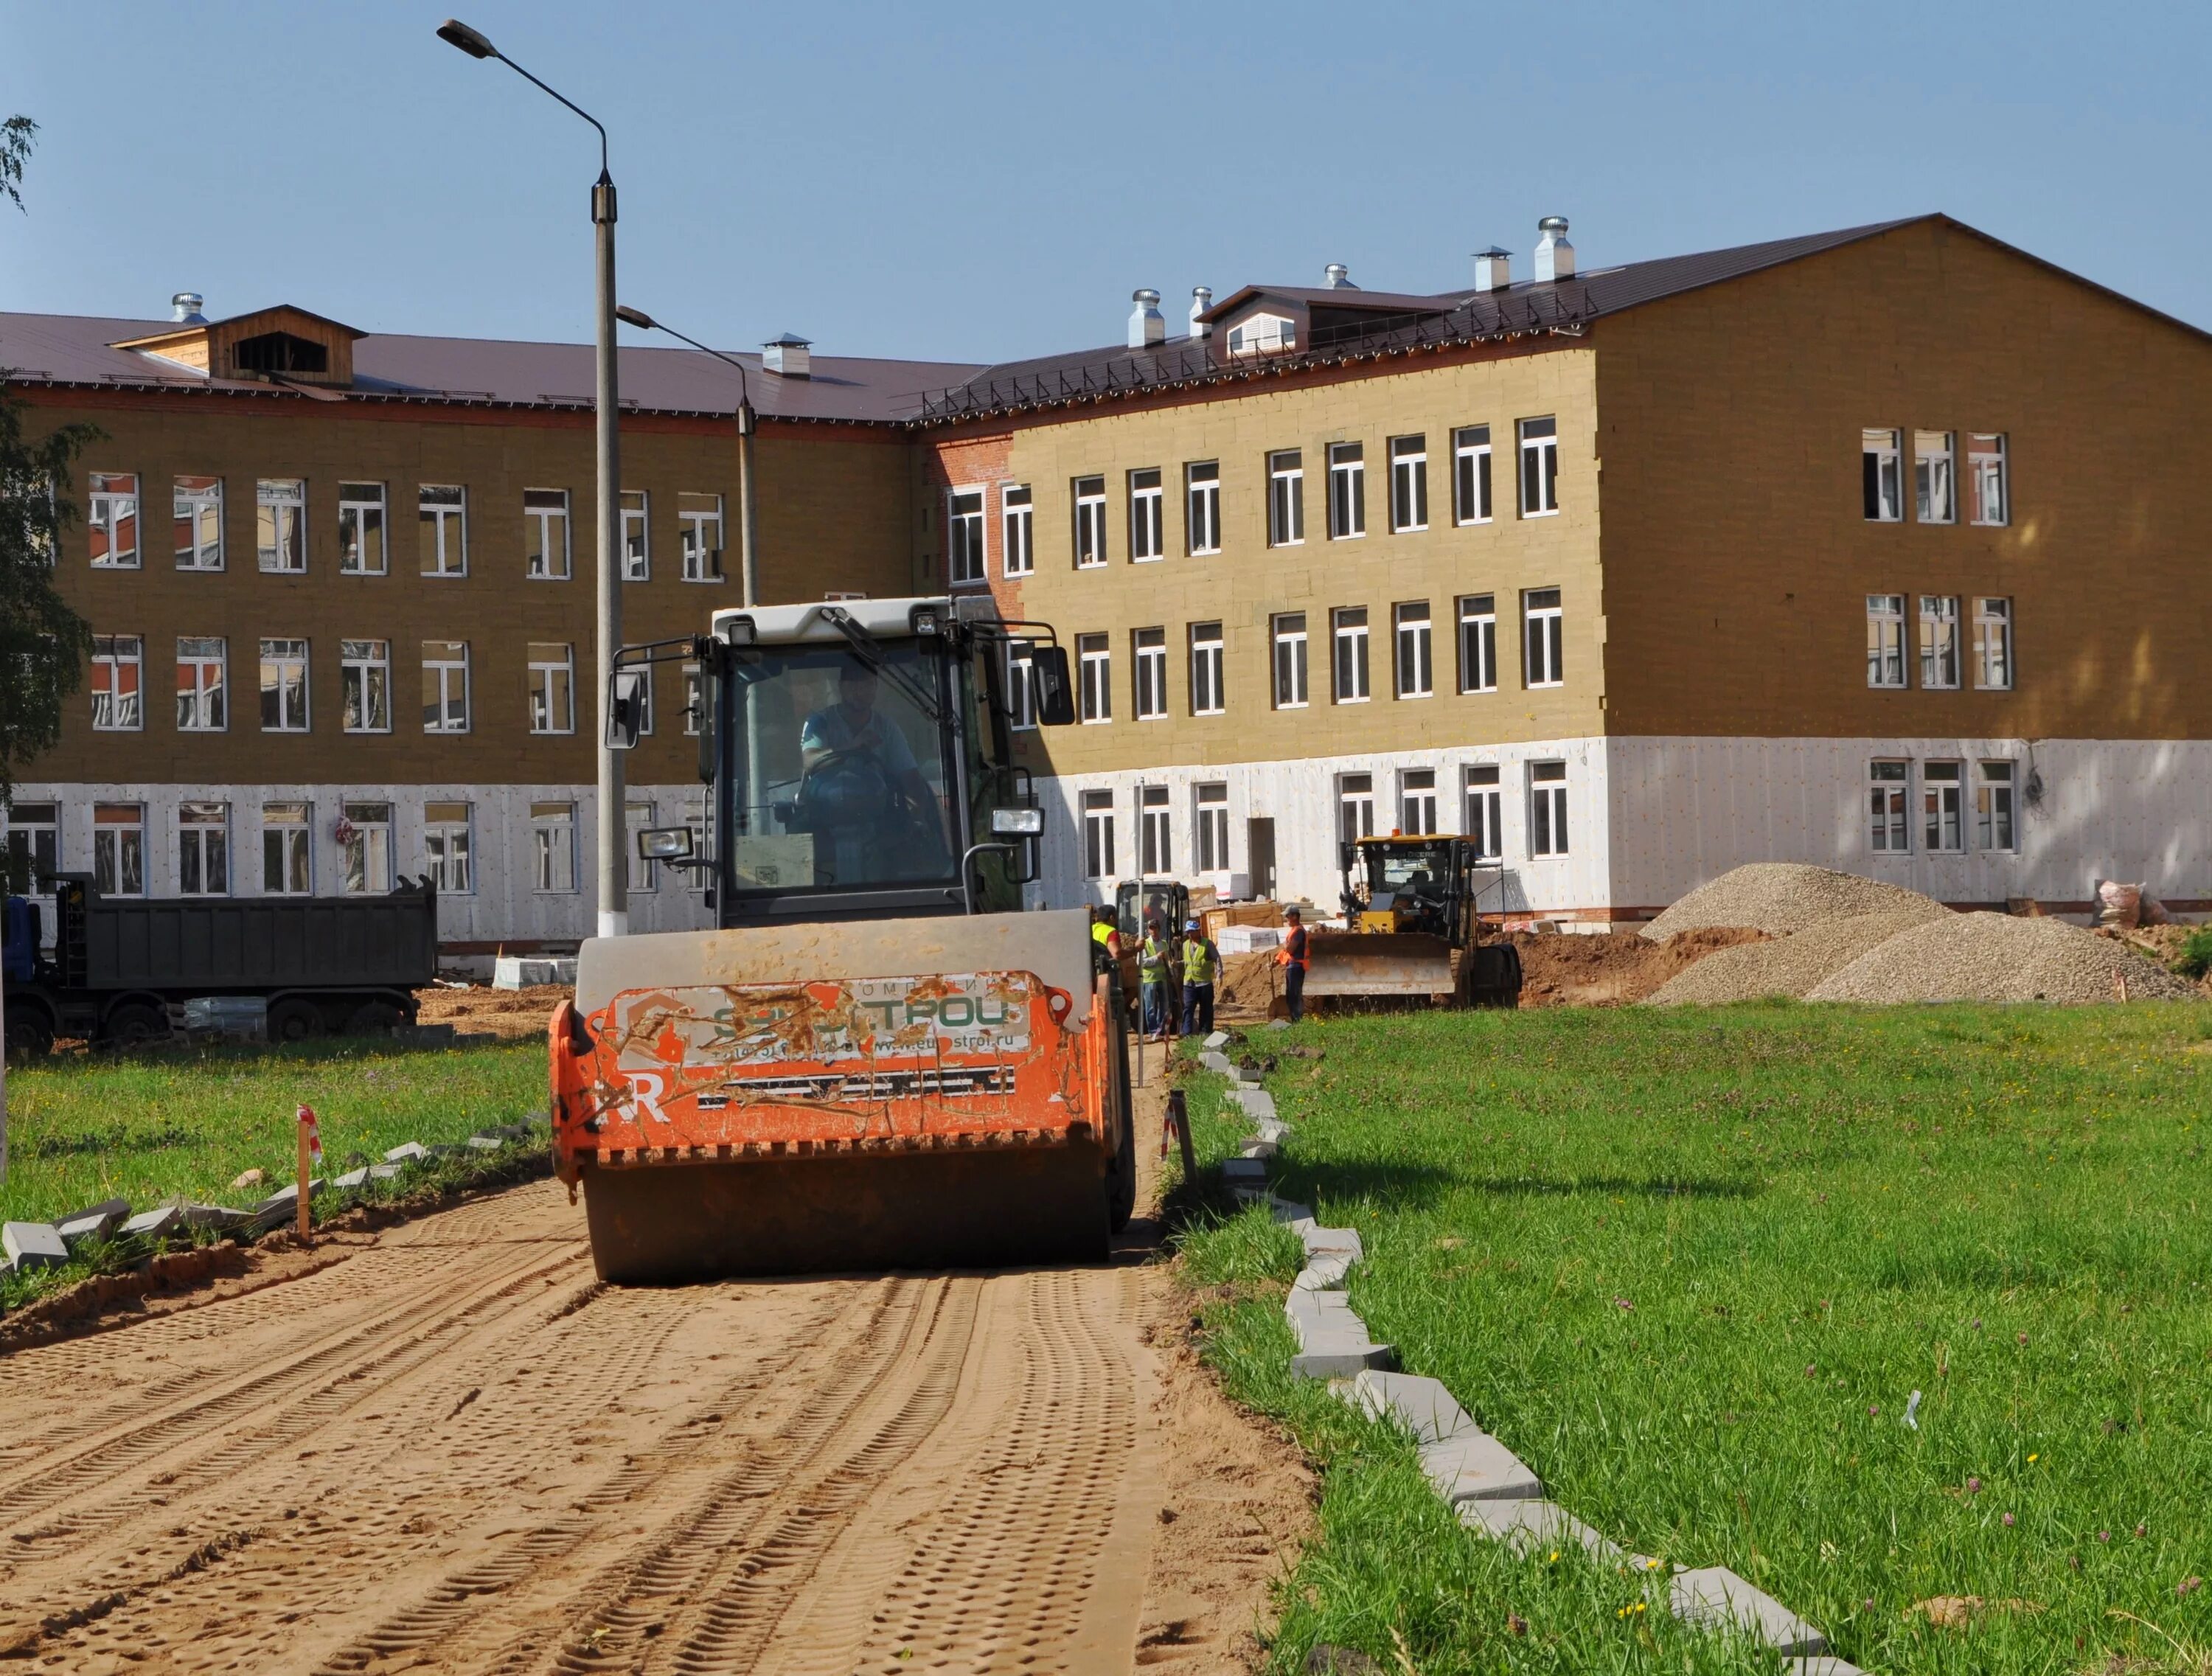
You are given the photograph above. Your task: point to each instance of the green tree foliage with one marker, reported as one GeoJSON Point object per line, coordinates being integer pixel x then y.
{"type": "Point", "coordinates": [16, 136]}
{"type": "Point", "coordinates": [44, 644]}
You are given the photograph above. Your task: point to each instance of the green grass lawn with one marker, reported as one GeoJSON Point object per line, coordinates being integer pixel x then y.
{"type": "Point", "coordinates": [142, 1126]}
{"type": "Point", "coordinates": [1692, 1264]}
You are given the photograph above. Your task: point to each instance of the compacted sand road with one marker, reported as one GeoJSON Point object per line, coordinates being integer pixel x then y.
{"type": "Point", "coordinates": [454, 1452]}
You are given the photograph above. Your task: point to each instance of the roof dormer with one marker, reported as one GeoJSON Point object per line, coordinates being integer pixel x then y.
{"type": "Point", "coordinates": [282, 344]}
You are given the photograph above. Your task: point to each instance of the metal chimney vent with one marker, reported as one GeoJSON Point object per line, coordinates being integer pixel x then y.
{"type": "Point", "coordinates": [1555, 257]}
{"type": "Point", "coordinates": [1493, 269]}
{"type": "Point", "coordinates": [1338, 278]}
{"type": "Point", "coordinates": [1147, 326]}
{"type": "Point", "coordinates": [1201, 299]}
{"type": "Point", "coordinates": [790, 354]}
{"type": "Point", "coordinates": [184, 309]}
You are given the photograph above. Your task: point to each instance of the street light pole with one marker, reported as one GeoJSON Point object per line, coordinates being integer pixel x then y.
{"type": "Point", "coordinates": [613, 880]}
{"type": "Point", "coordinates": [748, 423]}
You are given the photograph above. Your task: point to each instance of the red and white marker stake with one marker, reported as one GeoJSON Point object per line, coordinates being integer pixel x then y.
{"type": "Point", "coordinates": [310, 1154]}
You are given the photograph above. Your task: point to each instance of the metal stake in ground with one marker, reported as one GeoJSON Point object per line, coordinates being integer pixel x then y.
{"type": "Point", "coordinates": [310, 1154]}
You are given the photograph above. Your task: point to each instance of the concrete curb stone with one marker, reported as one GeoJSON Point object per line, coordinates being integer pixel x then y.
{"type": "Point", "coordinates": [1526, 1526]}
{"type": "Point", "coordinates": [1714, 1596]}
{"type": "Point", "coordinates": [94, 1223]}
{"type": "Point", "coordinates": [32, 1245]}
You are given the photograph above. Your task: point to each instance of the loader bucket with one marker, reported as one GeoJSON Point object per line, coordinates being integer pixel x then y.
{"type": "Point", "coordinates": [1352, 966]}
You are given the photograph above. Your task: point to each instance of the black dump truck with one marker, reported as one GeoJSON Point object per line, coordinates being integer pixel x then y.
{"type": "Point", "coordinates": [321, 964]}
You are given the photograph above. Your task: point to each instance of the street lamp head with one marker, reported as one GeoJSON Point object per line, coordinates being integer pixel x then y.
{"type": "Point", "coordinates": [454, 33]}
{"type": "Point", "coordinates": [634, 317]}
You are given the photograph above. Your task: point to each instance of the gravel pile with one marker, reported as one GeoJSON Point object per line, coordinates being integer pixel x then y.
{"type": "Point", "coordinates": [1996, 957]}
{"type": "Point", "coordinates": [1781, 896]}
{"type": "Point", "coordinates": [1793, 965]}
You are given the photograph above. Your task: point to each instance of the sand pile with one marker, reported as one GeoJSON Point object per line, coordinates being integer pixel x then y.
{"type": "Point", "coordinates": [1793, 965]}
{"type": "Point", "coordinates": [1612, 968]}
{"type": "Point", "coordinates": [1246, 985]}
{"type": "Point", "coordinates": [1996, 957]}
{"type": "Point", "coordinates": [1782, 896]}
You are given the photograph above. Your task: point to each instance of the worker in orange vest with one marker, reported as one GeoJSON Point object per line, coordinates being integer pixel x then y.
{"type": "Point", "coordinates": [1291, 958]}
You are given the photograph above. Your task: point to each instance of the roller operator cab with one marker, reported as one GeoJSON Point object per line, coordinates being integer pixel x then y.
{"type": "Point", "coordinates": [875, 1060]}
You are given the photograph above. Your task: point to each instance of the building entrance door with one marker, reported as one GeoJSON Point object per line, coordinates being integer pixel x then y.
{"type": "Point", "coordinates": [1260, 849]}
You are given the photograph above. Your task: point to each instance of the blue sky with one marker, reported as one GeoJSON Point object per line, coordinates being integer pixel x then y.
{"type": "Point", "coordinates": [969, 181]}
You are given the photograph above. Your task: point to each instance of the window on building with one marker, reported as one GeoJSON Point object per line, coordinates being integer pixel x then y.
{"type": "Point", "coordinates": [1417, 800]}
{"type": "Point", "coordinates": [1547, 809]}
{"type": "Point", "coordinates": [1985, 471]}
{"type": "Point", "coordinates": [1348, 637]}
{"type": "Point", "coordinates": [1148, 535]}
{"type": "Point", "coordinates": [1290, 642]}
{"type": "Point", "coordinates": [1888, 784]}
{"type": "Point", "coordinates": [442, 520]}
{"type": "Point", "coordinates": [1539, 467]}
{"type": "Point", "coordinates": [361, 530]}
{"type": "Point", "coordinates": [111, 519]}
{"type": "Point", "coordinates": [1202, 506]}
{"type": "Point", "coordinates": [446, 850]}
{"type": "Point", "coordinates": [1151, 650]}
{"type": "Point", "coordinates": [553, 846]}
{"type": "Point", "coordinates": [118, 849]}
{"type": "Point", "coordinates": [695, 699]}
{"type": "Point", "coordinates": [117, 662]}
{"type": "Point", "coordinates": [1347, 490]}
{"type": "Point", "coordinates": [699, 536]}
{"type": "Point", "coordinates": [552, 688]}
{"type": "Point", "coordinates": [1409, 483]}
{"type": "Point", "coordinates": [1543, 638]}
{"type": "Point", "coordinates": [636, 538]}
{"type": "Point", "coordinates": [202, 665]}
{"type": "Point", "coordinates": [1156, 851]}
{"type": "Point", "coordinates": [1942, 798]}
{"type": "Point", "coordinates": [1355, 807]}
{"type": "Point", "coordinates": [1939, 640]}
{"type": "Point", "coordinates": [1416, 656]}
{"type": "Point", "coordinates": [1098, 835]}
{"type": "Point", "coordinates": [964, 560]}
{"type": "Point", "coordinates": [286, 864]}
{"type": "Point", "coordinates": [283, 686]}
{"type": "Point", "coordinates": [1477, 643]}
{"type": "Point", "coordinates": [197, 503]}
{"type": "Point", "coordinates": [365, 686]}
{"type": "Point", "coordinates": [1206, 693]}
{"type": "Point", "coordinates": [280, 525]}
{"type": "Point", "coordinates": [1090, 523]}
{"type": "Point", "coordinates": [1017, 530]}
{"type": "Point", "coordinates": [1094, 656]}
{"type": "Point", "coordinates": [445, 686]}
{"type": "Point", "coordinates": [1993, 826]}
{"type": "Point", "coordinates": [643, 875]}
{"type": "Point", "coordinates": [1993, 644]}
{"type": "Point", "coordinates": [1286, 498]}
{"type": "Point", "coordinates": [1483, 814]}
{"type": "Point", "coordinates": [203, 849]}
{"type": "Point", "coordinates": [1210, 826]}
{"type": "Point", "coordinates": [34, 846]}
{"type": "Point", "coordinates": [1263, 334]}
{"type": "Point", "coordinates": [365, 841]}
{"type": "Point", "coordinates": [1471, 474]}
{"type": "Point", "coordinates": [1881, 454]}
{"type": "Point", "coordinates": [545, 533]}
{"type": "Point", "coordinates": [1021, 687]}
{"type": "Point", "coordinates": [1885, 639]}
{"type": "Point", "coordinates": [1934, 484]}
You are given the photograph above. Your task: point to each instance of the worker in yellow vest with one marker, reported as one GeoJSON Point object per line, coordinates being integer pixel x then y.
{"type": "Point", "coordinates": [1152, 975]}
{"type": "Point", "coordinates": [1201, 961]}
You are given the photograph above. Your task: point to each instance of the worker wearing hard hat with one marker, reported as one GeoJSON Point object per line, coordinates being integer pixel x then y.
{"type": "Point", "coordinates": [1200, 961]}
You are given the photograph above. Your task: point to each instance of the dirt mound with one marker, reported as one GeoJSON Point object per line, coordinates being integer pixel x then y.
{"type": "Point", "coordinates": [1247, 985]}
{"type": "Point", "coordinates": [1612, 968]}
{"type": "Point", "coordinates": [1791, 965]}
{"type": "Point", "coordinates": [482, 1011]}
{"type": "Point", "coordinates": [1782, 896]}
{"type": "Point", "coordinates": [1996, 957]}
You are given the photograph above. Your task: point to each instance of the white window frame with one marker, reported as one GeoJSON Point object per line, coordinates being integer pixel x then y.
{"type": "Point", "coordinates": [967, 555]}
{"type": "Point", "coordinates": [1540, 465]}
{"type": "Point", "coordinates": [1417, 801]}
{"type": "Point", "coordinates": [203, 683]}
{"type": "Point", "coordinates": [1155, 831]}
{"type": "Point", "coordinates": [208, 824]}
{"type": "Point", "coordinates": [292, 825]}
{"type": "Point", "coordinates": [111, 505]}
{"type": "Point", "coordinates": [449, 846]}
{"type": "Point", "coordinates": [1348, 491]}
{"type": "Point", "coordinates": [1287, 645]}
{"type": "Point", "coordinates": [1089, 494]}
{"type": "Point", "coordinates": [1201, 507]}
{"type": "Point", "coordinates": [1021, 688]}
{"type": "Point", "coordinates": [279, 525]}
{"type": "Point", "coordinates": [447, 667]}
{"type": "Point", "coordinates": [1471, 501]}
{"type": "Point", "coordinates": [1989, 473]}
{"type": "Point", "coordinates": [358, 511]}
{"type": "Point", "coordinates": [544, 564]}
{"type": "Point", "coordinates": [1355, 807]}
{"type": "Point", "coordinates": [1409, 484]}
{"type": "Point", "coordinates": [1350, 661]}
{"type": "Point", "coordinates": [1208, 697]}
{"type": "Point", "coordinates": [1482, 809]}
{"type": "Point", "coordinates": [1098, 856]}
{"type": "Point", "coordinates": [1148, 516]}
{"type": "Point", "coordinates": [641, 872]}
{"type": "Point", "coordinates": [1286, 498]}
{"type": "Point", "coordinates": [635, 523]}
{"type": "Point", "coordinates": [443, 527]}
{"type": "Point", "coordinates": [1940, 652]}
{"type": "Point", "coordinates": [1414, 658]}
{"type": "Point", "coordinates": [1994, 669]}
{"type": "Point", "coordinates": [1148, 654]}
{"type": "Point", "coordinates": [365, 833]}
{"type": "Point", "coordinates": [1882, 474]}
{"type": "Point", "coordinates": [1936, 476]}
{"type": "Point", "coordinates": [118, 848]}
{"type": "Point", "coordinates": [1548, 832]}
{"type": "Point", "coordinates": [1997, 808]}
{"type": "Point", "coordinates": [1263, 334]}
{"type": "Point", "coordinates": [695, 693]}
{"type": "Point", "coordinates": [1543, 638]}
{"type": "Point", "coordinates": [1209, 819]}
{"type": "Point", "coordinates": [30, 835]}
{"type": "Point", "coordinates": [552, 687]}
{"type": "Point", "coordinates": [196, 513]}
{"type": "Point", "coordinates": [364, 685]}
{"type": "Point", "coordinates": [553, 849]}
{"type": "Point", "coordinates": [1944, 808]}
{"type": "Point", "coordinates": [699, 535]}
{"type": "Point", "coordinates": [1478, 642]}
{"type": "Point", "coordinates": [1888, 668]}
{"type": "Point", "coordinates": [124, 711]}
{"type": "Point", "coordinates": [282, 655]}
{"type": "Point", "coordinates": [1889, 792]}
{"type": "Point", "coordinates": [1017, 530]}
{"type": "Point", "coordinates": [1094, 658]}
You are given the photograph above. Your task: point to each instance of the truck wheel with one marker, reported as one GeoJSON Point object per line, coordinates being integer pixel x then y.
{"type": "Point", "coordinates": [30, 1035]}
{"type": "Point", "coordinates": [295, 1021]}
{"type": "Point", "coordinates": [134, 1024]}
{"type": "Point", "coordinates": [373, 1018]}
